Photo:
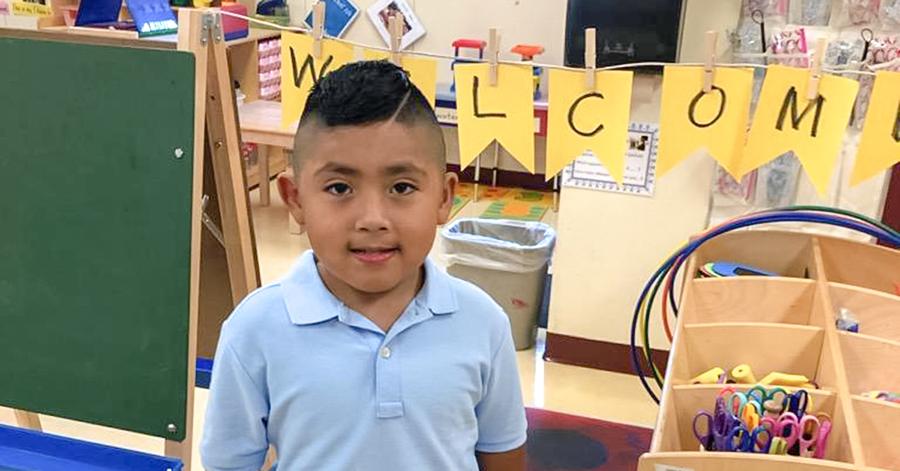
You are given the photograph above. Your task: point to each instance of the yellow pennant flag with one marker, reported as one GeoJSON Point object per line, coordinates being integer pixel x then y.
{"type": "Point", "coordinates": [786, 120]}
{"type": "Point", "coordinates": [580, 118]}
{"type": "Point", "coordinates": [504, 112]}
{"type": "Point", "coordinates": [716, 120]}
{"type": "Point", "coordinates": [880, 144]}
{"type": "Point", "coordinates": [300, 70]}
{"type": "Point", "coordinates": [423, 72]}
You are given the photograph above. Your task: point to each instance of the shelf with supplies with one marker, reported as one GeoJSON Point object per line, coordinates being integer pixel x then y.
{"type": "Point", "coordinates": [785, 324]}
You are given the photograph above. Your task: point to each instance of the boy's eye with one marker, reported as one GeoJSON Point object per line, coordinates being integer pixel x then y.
{"type": "Point", "coordinates": [338, 188]}
{"type": "Point", "coordinates": [403, 188]}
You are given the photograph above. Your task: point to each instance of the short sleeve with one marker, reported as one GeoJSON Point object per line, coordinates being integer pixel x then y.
{"type": "Point", "coordinates": [501, 412]}
{"type": "Point", "coordinates": [234, 434]}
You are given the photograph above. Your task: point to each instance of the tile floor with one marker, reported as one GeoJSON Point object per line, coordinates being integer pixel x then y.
{"type": "Point", "coordinates": [554, 386]}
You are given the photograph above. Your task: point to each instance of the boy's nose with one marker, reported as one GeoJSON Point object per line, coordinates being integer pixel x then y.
{"type": "Point", "coordinates": [373, 215]}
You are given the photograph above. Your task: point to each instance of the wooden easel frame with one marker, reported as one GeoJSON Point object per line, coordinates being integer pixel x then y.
{"type": "Point", "coordinates": [215, 123]}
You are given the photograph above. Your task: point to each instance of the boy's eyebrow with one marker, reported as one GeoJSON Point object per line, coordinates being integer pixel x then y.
{"type": "Point", "coordinates": [332, 167]}
{"type": "Point", "coordinates": [400, 169]}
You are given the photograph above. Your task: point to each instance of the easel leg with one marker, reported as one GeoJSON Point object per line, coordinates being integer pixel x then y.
{"type": "Point", "coordinates": [556, 191]}
{"type": "Point", "coordinates": [28, 420]}
{"type": "Point", "coordinates": [477, 177]}
{"type": "Point", "coordinates": [496, 163]}
{"type": "Point", "coordinates": [222, 132]}
{"type": "Point", "coordinates": [189, 36]}
{"type": "Point", "coordinates": [263, 162]}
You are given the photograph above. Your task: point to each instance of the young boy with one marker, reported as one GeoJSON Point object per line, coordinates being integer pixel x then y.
{"type": "Point", "coordinates": [366, 356]}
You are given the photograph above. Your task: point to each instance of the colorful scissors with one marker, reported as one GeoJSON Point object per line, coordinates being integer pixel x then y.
{"type": "Point", "coordinates": [773, 409]}
{"type": "Point", "coordinates": [761, 394]}
{"type": "Point", "coordinates": [824, 432]}
{"type": "Point", "coordinates": [810, 430]}
{"type": "Point", "coordinates": [706, 439]}
{"type": "Point", "coordinates": [797, 402]}
{"type": "Point", "coordinates": [786, 427]}
{"type": "Point", "coordinates": [761, 439]}
{"type": "Point", "coordinates": [739, 439]}
{"type": "Point", "coordinates": [736, 402]}
{"type": "Point", "coordinates": [778, 446]}
{"type": "Point", "coordinates": [750, 416]}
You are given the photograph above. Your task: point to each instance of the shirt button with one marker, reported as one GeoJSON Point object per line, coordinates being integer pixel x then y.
{"type": "Point", "coordinates": [386, 353]}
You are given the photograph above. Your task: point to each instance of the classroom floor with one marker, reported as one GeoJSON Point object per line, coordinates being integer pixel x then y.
{"type": "Point", "coordinates": [553, 386]}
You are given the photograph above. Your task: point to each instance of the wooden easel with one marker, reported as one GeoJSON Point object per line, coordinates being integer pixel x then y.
{"type": "Point", "coordinates": [215, 134]}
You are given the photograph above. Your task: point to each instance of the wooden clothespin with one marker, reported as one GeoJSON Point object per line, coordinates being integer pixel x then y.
{"type": "Point", "coordinates": [395, 26]}
{"type": "Point", "coordinates": [815, 73]}
{"type": "Point", "coordinates": [493, 56]}
{"type": "Point", "coordinates": [709, 60]}
{"type": "Point", "coordinates": [318, 31]}
{"type": "Point", "coordinates": [590, 57]}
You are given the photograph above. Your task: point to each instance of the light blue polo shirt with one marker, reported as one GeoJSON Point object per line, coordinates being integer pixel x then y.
{"type": "Point", "coordinates": [297, 368]}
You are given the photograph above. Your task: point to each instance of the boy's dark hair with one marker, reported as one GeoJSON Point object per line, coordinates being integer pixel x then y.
{"type": "Point", "coordinates": [367, 92]}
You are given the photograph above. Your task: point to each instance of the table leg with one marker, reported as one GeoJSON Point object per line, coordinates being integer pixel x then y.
{"type": "Point", "coordinates": [263, 163]}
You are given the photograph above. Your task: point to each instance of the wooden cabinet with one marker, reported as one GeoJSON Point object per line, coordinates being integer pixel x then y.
{"type": "Point", "coordinates": [787, 324]}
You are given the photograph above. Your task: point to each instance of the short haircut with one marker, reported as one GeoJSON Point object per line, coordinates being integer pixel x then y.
{"type": "Point", "coordinates": [366, 92]}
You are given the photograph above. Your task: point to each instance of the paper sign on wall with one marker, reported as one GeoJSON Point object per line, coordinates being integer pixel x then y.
{"type": "Point", "coordinates": [31, 9]}
{"type": "Point", "coordinates": [504, 112]}
{"type": "Point", "coordinates": [691, 119]}
{"type": "Point", "coordinates": [423, 72]}
{"type": "Point", "coordinates": [880, 144]}
{"type": "Point", "coordinates": [579, 119]}
{"type": "Point", "coordinates": [640, 166]}
{"type": "Point", "coordinates": [785, 120]}
{"type": "Point", "coordinates": [300, 70]}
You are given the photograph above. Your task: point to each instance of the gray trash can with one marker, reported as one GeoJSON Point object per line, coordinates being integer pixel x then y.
{"type": "Point", "coordinates": [508, 260]}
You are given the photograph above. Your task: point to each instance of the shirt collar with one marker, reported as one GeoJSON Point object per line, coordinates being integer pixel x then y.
{"type": "Point", "coordinates": [308, 300]}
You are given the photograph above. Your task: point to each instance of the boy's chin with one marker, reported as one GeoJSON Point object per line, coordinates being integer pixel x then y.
{"type": "Point", "coordinates": [374, 285]}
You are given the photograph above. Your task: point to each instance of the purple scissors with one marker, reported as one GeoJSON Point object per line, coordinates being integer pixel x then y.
{"type": "Point", "coordinates": [718, 431]}
{"type": "Point", "coordinates": [706, 438]}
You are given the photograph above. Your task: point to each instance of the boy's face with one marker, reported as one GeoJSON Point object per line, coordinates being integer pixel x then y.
{"type": "Point", "coordinates": [370, 197]}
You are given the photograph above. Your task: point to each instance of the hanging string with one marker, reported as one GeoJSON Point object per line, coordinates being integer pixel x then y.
{"type": "Point", "coordinates": [633, 65]}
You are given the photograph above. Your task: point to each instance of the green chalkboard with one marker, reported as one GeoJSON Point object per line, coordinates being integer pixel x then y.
{"type": "Point", "coordinates": [95, 232]}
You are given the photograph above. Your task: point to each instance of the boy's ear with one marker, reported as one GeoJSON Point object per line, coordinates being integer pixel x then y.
{"type": "Point", "coordinates": [449, 190]}
{"type": "Point", "coordinates": [290, 194]}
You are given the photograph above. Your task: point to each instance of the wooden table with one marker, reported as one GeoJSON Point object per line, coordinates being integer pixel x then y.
{"type": "Point", "coordinates": [261, 124]}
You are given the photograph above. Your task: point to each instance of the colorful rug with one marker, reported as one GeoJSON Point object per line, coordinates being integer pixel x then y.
{"type": "Point", "coordinates": [563, 442]}
{"type": "Point", "coordinates": [485, 192]}
{"type": "Point", "coordinates": [516, 210]}
{"type": "Point", "coordinates": [458, 203]}
{"type": "Point", "coordinates": [530, 196]}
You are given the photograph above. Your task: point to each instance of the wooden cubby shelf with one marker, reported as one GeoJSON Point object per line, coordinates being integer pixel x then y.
{"type": "Point", "coordinates": [787, 324]}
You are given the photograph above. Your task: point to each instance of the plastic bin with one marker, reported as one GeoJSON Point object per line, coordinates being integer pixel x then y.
{"type": "Point", "coordinates": [508, 260]}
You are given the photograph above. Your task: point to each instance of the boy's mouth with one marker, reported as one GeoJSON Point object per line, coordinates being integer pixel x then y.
{"type": "Point", "coordinates": [374, 255]}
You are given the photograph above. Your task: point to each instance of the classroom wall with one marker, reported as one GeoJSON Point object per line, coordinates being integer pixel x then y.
{"type": "Point", "coordinates": [519, 21]}
{"type": "Point", "coordinates": [609, 244]}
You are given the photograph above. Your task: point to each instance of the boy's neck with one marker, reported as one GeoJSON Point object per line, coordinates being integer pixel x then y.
{"type": "Point", "coordinates": [381, 308]}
